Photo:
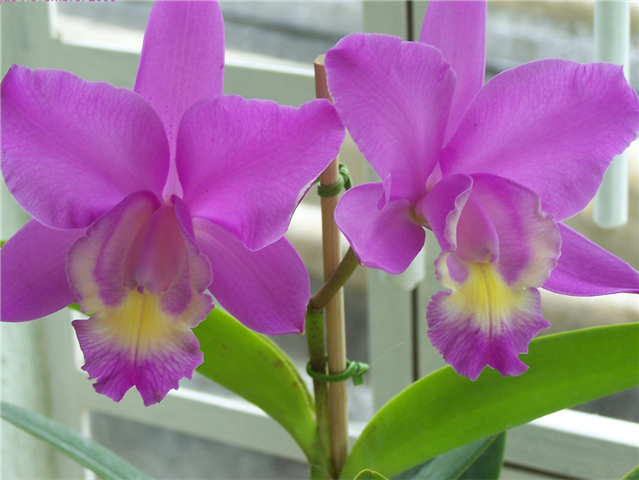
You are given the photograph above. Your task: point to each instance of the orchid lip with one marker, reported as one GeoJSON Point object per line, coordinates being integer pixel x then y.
{"type": "Point", "coordinates": [144, 279]}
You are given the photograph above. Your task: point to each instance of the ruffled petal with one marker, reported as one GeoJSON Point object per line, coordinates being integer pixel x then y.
{"type": "Point", "coordinates": [492, 309]}
{"type": "Point", "coordinates": [586, 269]}
{"type": "Point", "coordinates": [182, 62]}
{"type": "Point", "coordinates": [458, 29]}
{"type": "Point", "coordinates": [246, 164]}
{"type": "Point", "coordinates": [267, 290]}
{"type": "Point", "coordinates": [394, 97]}
{"type": "Point", "coordinates": [552, 126]}
{"type": "Point", "coordinates": [137, 344]}
{"type": "Point", "coordinates": [388, 239]}
{"type": "Point", "coordinates": [529, 239]}
{"type": "Point", "coordinates": [136, 337]}
{"type": "Point", "coordinates": [71, 150]}
{"type": "Point", "coordinates": [98, 265]}
{"type": "Point", "coordinates": [483, 321]}
{"type": "Point", "coordinates": [34, 280]}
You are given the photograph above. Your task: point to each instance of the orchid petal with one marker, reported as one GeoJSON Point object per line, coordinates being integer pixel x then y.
{"type": "Point", "coordinates": [442, 206]}
{"type": "Point", "coordinates": [586, 269]}
{"type": "Point", "coordinates": [138, 337]}
{"type": "Point", "coordinates": [186, 296]}
{"type": "Point", "coordinates": [388, 239]}
{"type": "Point", "coordinates": [394, 97]}
{"type": "Point", "coordinates": [182, 60]}
{"type": "Point", "coordinates": [34, 280]}
{"type": "Point", "coordinates": [493, 309]}
{"type": "Point", "coordinates": [246, 164]}
{"type": "Point", "coordinates": [267, 290]}
{"type": "Point", "coordinates": [98, 265]}
{"type": "Point", "coordinates": [458, 29]}
{"type": "Point", "coordinates": [137, 344]}
{"type": "Point", "coordinates": [71, 150]}
{"type": "Point", "coordinates": [477, 235]}
{"type": "Point", "coordinates": [529, 240]}
{"type": "Point", "coordinates": [484, 322]}
{"type": "Point", "coordinates": [552, 126]}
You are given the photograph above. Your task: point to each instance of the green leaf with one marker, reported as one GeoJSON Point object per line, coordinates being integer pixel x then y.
{"type": "Point", "coordinates": [476, 461]}
{"type": "Point", "coordinates": [252, 366]}
{"type": "Point", "coordinates": [632, 474]}
{"type": "Point", "coordinates": [444, 410]}
{"type": "Point", "coordinates": [369, 475]}
{"type": "Point", "coordinates": [76, 307]}
{"type": "Point", "coordinates": [488, 465]}
{"type": "Point", "coordinates": [86, 452]}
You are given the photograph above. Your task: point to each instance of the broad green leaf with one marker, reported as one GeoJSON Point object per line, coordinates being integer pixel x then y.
{"type": "Point", "coordinates": [478, 460]}
{"type": "Point", "coordinates": [444, 410]}
{"type": "Point", "coordinates": [632, 474]}
{"type": "Point", "coordinates": [252, 366]}
{"type": "Point", "coordinates": [86, 452]}
{"type": "Point", "coordinates": [488, 465]}
{"type": "Point", "coordinates": [369, 475]}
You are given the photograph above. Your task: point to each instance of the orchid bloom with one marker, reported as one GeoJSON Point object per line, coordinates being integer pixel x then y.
{"type": "Point", "coordinates": [491, 169]}
{"type": "Point", "coordinates": [143, 199]}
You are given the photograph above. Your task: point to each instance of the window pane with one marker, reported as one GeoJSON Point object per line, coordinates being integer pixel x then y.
{"type": "Point", "coordinates": [519, 32]}
{"type": "Point", "coordinates": [292, 31]}
{"type": "Point", "coordinates": [165, 454]}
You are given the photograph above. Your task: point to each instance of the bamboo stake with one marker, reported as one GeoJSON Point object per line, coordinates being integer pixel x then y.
{"type": "Point", "coordinates": [335, 330]}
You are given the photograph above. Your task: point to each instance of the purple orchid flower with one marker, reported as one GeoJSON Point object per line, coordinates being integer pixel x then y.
{"type": "Point", "coordinates": [491, 169]}
{"type": "Point", "coordinates": [139, 198]}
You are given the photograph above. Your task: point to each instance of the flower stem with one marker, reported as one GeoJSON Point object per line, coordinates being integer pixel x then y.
{"type": "Point", "coordinates": [339, 278]}
{"type": "Point", "coordinates": [322, 467]}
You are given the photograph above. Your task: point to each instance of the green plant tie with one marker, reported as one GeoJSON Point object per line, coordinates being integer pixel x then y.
{"type": "Point", "coordinates": [344, 182]}
{"type": "Point", "coordinates": [353, 369]}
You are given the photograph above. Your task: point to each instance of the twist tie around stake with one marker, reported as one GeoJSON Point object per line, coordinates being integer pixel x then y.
{"type": "Point", "coordinates": [353, 369]}
{"type": "Point", "coordinates": [344, 182]}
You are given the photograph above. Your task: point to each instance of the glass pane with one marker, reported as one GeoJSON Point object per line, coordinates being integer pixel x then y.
{"type": "Point", "coordinates": [519, 32]}
{"type": "Point", "coordinates": [290, 31]}
{"type": "Point", "coordinates": [165, 454]}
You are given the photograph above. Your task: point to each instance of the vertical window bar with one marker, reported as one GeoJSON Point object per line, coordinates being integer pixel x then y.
{"type": "Point", "coordinates": [612, 44]}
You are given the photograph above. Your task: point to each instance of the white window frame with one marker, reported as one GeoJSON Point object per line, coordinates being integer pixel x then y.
{"type": "Point", "coordinates": [566, 443]}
